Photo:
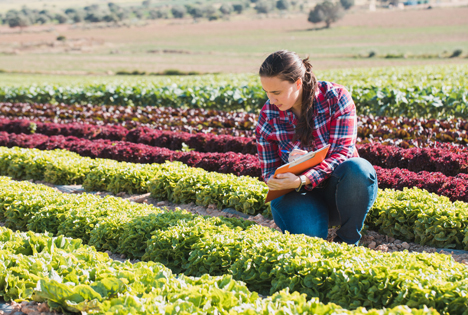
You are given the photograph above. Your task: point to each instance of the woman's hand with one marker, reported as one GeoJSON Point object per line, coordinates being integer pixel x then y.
{"type": "Point", "coordinates": [284, 181]}
{"type": "Point", "coordinates": [294, 154]}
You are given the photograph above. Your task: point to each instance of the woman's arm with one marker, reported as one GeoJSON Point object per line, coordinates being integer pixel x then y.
{"type": "Point", "coordinates": [267, 150]}
{"type": "Point", "coordinates": [342, 137]}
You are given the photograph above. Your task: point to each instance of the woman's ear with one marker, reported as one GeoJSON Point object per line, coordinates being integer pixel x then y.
{"type": "Point", "coordinates": [299, 83]}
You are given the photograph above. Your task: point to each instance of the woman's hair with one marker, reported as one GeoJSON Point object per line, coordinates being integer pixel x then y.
{"type": "Point", "coordinates": [288, 66]}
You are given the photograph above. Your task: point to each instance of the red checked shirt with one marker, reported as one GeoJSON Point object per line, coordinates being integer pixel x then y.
{"type": "Point", "coordinates": [334, 123]}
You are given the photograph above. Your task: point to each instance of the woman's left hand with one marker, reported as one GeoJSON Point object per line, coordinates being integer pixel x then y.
{"type": "Point", "coordinates": [284, 181]}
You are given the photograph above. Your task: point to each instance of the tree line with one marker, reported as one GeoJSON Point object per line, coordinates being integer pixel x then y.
{"type": "Point", "coordinates": [326, 11]}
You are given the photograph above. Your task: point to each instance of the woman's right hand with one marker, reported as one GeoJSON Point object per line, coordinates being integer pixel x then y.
{"type": "Point", "coordinates": [294, 154]}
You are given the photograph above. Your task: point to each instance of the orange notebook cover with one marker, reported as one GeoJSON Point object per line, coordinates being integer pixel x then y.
{"type": "Point", "coordinates": [298, 166]}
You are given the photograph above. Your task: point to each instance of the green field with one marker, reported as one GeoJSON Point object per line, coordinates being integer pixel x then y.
{"type": "Point", "coordinates": [435, 76]}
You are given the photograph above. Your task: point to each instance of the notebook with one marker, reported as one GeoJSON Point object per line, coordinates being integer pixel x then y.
{"type": "Point", "coordinates": [298, 166]}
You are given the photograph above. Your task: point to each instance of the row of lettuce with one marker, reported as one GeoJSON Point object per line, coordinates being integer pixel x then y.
{"type": "Point", "coordinates": [411, 214]}
{"type": "Point", "coordinates": [73, 277]}
{"type": "Point", "coordinates": [431, 163]}
{"type": "Point", "coordinates": [411, 101]}
{"type": "Point", "coordinates": [266, 260]}
{"type": "Point", "coordinates": [446, 158]}
{"type": "Point", "coordinates": [218, 122]}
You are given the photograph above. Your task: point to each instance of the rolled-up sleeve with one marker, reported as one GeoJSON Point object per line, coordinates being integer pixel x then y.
{"type": "Point", "coordinates": [342, 140]}
{"type": "Point", "coordinates": [267, 149]}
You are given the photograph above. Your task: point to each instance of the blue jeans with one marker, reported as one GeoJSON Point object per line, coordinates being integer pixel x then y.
{"type": "Point", "coordinates": [344, 199]}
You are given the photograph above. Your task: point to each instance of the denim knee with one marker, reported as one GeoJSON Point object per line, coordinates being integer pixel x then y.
{"type": "Point", "coordinates": [356, 168]}
{"type": "Point", "coordinates": [301, 214]}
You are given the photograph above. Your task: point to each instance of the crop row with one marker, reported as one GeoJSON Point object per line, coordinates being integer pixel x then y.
{"type": "Point", "coordinates": [73, 277]}
{"type": "Point", "coordinates": [170, 181]}
{"type": "Point", "coordinates": [455, 188]}
{"type": "Point", "coordinates": [217, 97]}
{"type": "Point", "coordinates": [447, 159]}
{"type": "Point", "coordinates": [202, 142]}
{"type": "Point", "coordinates": [244, 164]}
{"type": "Point", "coordinates": [181, 184]}
{"type": "Point", "coordinates": [130, 117]}
{"type": "Point", "coordinates": [266, 260]}
{"type": "Point", "coordinates": [234, 123]}
{"type": "Point", "coordinates": [229, 163]}
{"type": "Point", "coordinates": [410, 101]}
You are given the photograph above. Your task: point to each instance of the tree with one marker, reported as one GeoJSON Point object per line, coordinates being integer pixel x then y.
{"type": "Point", "coordinates": [196, 11]}
{"type": "Point", "coordinates": [238, 7]}
{"type": "Point", "coordinates": [30, 14]}
{"type": "Point", "coordinates": [123, 14]}
{"type": "Point", "coordinates": [61, 18]}
{"type": "Point", "coordinates": [264, 6]}
{"type": "Point", "coordinates": [42, 19]}
{"type": "Point", "coordinates": [158, 14]}
{"type": "Point", "coordinates": [93, 7]}
{"type": "Point", "coordinates": [94, 16]}
{"type": "Point", "coordinates": [283, 5]}
{"type": "Point", "coordinates": [209, 10]}
{"type": "Point", "coordinates": [111, 17]}
{"type": "Point", "coordinates": [138, 13]}
{"type": "Point", "coordinates": [69, 11]}
{"type": "Point", "coordinates": [146, 3]}
{"type": "Point", "coordinates": [48, 13]}
{"type": "Point", "coordinates": [113, 7]}
{"type": "Point", "coordinates": [226, 8]}
{"type": "Point", "coordinates": [178, 11]}
{"type": "Point", "coordinates": [347, 4]}
{"type": "Point", "coordinates": [17, 19]}
{"type": "Point", "coordinates": [327, 12]}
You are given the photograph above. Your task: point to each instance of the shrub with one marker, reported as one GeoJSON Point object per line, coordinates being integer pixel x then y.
{"type": "Point", "coordinates": [347, 4]}
{"type": "Point", "coordinates": [238, 8]}
{"type": "Point", "coordinates": [264, 6]}
{"type": "Point", "coordinates": [196, 12]}
{"type": "Point", "coordinates": [173, 72]}
{"type": "Point", "coordinates": [42, 19]}
{"type": "Point", "coordinates": [283, 5]}
{"type": "Point", "coordinates": [178, 12]}
{"type": "Point", "coordinates": [456, 53]}
{"type": "Point", "coordinates": [226, 8]}
{"type": "Point", "coordinates": [61, 18]}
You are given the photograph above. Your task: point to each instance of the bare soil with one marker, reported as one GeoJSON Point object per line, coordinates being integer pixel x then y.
{"type": "Point", "coordinates": [29, 308]}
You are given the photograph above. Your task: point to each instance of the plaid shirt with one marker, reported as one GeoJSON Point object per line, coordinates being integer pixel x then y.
{"type": "Point", "coordinates": [334, 123]}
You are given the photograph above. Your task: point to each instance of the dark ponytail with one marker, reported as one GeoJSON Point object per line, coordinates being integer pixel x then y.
{"type": "Point", "coordinates": [289, 67]}
{"type": "Point", "coordinates": [305, 125]}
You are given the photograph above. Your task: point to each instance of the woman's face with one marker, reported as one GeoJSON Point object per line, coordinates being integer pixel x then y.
{"type": "Point", "coordinates": [283, 94]}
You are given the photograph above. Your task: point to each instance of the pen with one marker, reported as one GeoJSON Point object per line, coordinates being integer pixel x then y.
{"type": "Point", "coordinates": [286, 151]}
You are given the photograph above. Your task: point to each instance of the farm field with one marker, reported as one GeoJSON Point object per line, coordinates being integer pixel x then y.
{"type": "Point", "coordinates": [190, 141]}
{"type": "Point", "coordinates": [240, 44]}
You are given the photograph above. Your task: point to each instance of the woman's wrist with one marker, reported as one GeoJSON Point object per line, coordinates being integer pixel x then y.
{"type": "Point", "coordinates": [302, 182]}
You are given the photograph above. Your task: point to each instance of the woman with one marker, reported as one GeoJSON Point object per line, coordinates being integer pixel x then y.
{"type": "Point", "coordinates": [303, 114]}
